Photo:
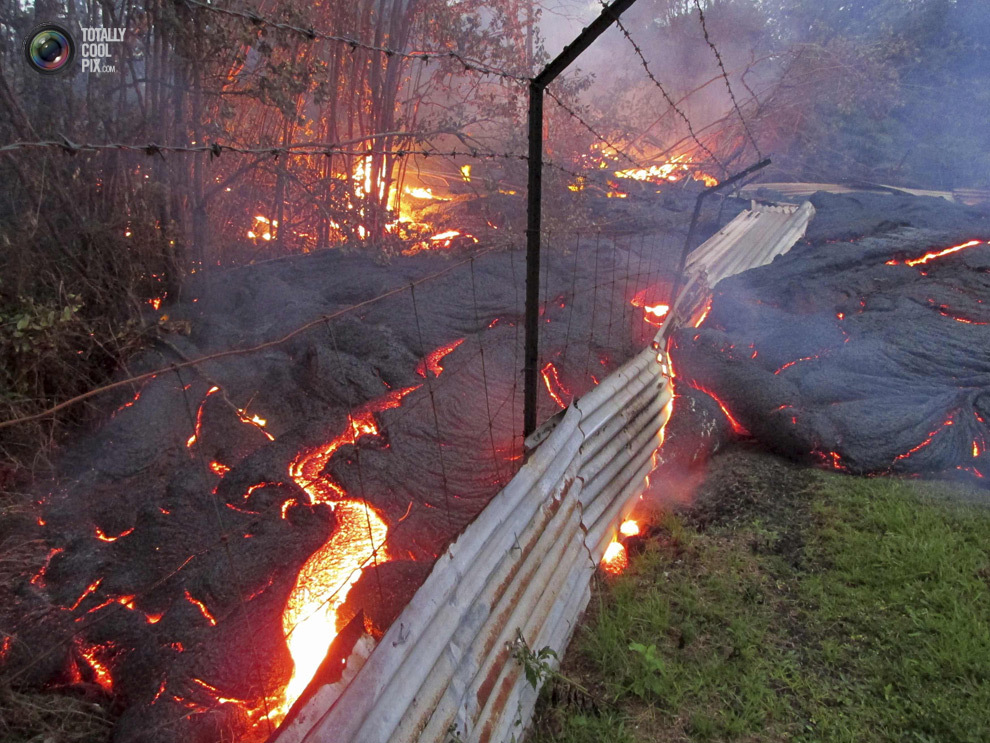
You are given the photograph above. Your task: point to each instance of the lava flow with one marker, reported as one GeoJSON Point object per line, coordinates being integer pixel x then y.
{"type": "Point", "coordinates": [432, 360]}
{"type": "Point", "coordinates": [310, 616]}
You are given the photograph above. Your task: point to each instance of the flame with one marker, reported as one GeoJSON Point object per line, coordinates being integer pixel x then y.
{"type": "Point", "coordinates": [930, 256]}
{"type": "Point", "coordinates": [629, 528]}
{"type": "Point", "coordinates": [219, 469]}
{"type": "Point", "coordinates": [466, 173]}
{"type": "Point", "coordinates": [423, 193]}
{"type": "Point", "coordinates": [262, 228]}
{"type": "Point", "coordinates": [671, 171]}
{"type": "Point", "coordinates": [440, 241]}
{"type": "Point", "coordinates": [432, 360]}
{"type": "Point", "coordinates": [653, 314]}
{"type": "Point", "coordinates": [155, 302]}
{"type": "Point", "coordinates": [615, 560]}
{"type": "Point", "coordinates": [553, 383]}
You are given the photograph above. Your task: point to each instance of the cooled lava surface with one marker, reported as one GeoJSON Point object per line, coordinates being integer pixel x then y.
{"type": "Point", "coordinates": [864, 349]}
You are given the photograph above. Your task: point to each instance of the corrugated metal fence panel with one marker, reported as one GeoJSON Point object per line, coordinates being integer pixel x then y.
{"type": "Point", "coordinates": [751, 239]}
{"type": "Point", "coordinates": [523, 567]}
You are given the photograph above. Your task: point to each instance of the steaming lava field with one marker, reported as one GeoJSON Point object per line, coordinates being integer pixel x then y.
{"type": "Point", "coordinates": [217, 508]}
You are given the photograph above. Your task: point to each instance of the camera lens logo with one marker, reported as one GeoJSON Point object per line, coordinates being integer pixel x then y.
{"type": "Point", "coordinates": [50, 49]}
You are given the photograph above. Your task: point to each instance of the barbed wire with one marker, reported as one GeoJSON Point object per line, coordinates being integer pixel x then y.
{"type": "Point", "coordinates": [216, 149]}
{"type": "Point", "coordinates": [725, 76]}
{"type": "Point", "coordinates": [299, 150]}
{"type": "Point", "coordinates": [313, 34]}
{"type": "Point", "coordinates": [594, 132]}
{"type": "Point", "coordinates": [666, 95]}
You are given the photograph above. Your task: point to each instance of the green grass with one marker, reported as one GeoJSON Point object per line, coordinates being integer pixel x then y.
{"type": "Point", "coordinates": [858, 610]}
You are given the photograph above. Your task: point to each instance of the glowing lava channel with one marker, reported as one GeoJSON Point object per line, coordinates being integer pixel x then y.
{"type": "Point", "coordinates": [309, 620]}
{"type": "Point", "coordinates": [935, 254]}
{"type": "Point", "coordinates": [554, 387]}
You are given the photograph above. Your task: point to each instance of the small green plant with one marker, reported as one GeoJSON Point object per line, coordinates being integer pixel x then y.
{"type": "Point", "coordinates": [649, 679]}
{"type": "Point", "coordinates": [536, 664]}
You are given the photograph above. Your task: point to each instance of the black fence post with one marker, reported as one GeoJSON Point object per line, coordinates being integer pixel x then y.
{"type": "Point", "coordinates": [534, 199]}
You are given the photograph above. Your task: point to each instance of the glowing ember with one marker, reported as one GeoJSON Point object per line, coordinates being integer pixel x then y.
{"type": "Point", "coordinates": [935, 254]}
{"type": "Point", "coordinates": [219, 469]}
{"type": "Point", "coordinates": [202, 609]}
{"type": "Point", "coordinates": [931, 435]}
{"type": "Point", "coordinates": [704, 313]}
{"type": "Point", "coordinates": [39, 578]}
{"type": "Point", "coordinates": [615, 560]}
{"type": "Point", "coordinates": [629, 528]}
{"type": "Point", "coordinates": [199, 419]}
{"type": "Point", "coordinates": [91, 654]}
{"type": "Point", "coordinates": [433, 359]}
{"type": "Point", "coordinates": [738, 427]}
{"type": "Point", "coordinates": [789, 364]}
{"type": "Point", "coordinates": [554, 387]}
{"type": "Point", "coordinates": [423, 193]}
{"type": "Point", "coordinates": [89, 589]}
{"type": "Point", "coordinates": [104, 538]}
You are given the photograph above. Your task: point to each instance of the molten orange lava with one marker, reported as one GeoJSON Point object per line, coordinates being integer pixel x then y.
{"type": "Point", "coordinates": [935, 254]}
{"type": "Point", "coordinates": [704, 313]}
{"type": "Point", "coordinates": [653, 314]}
{"type": "Point", "coordinates": [199, 418]}
{"type": "Point", "coordinates": [433, 359]}
{"type": "Point", "coordinates": [554, 387]}
{"type": "Point", "coordinates": [789, 364]}
{"type": "Point", "coordinates": [738, 427]}
{"type": "Point", "coordinates": [310, 616]}
{"type": "Point", "coordinates": [104, 538]}
{"type": "Point", "coordinates": [202, 609]}
{"type": "Point", "coordinates": [90, 653]}
{"type": "Point", "coordinates": [615, 560]}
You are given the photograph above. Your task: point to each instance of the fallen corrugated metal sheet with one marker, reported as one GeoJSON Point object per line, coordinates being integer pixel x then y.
{"type": "Point", "coordinates": [521, 571]}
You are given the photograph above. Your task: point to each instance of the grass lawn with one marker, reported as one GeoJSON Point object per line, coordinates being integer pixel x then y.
{"type": "Point", "coordinates": [790, 604]}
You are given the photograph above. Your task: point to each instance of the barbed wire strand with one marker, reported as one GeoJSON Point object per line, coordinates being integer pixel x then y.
{"type": "Point", "coordinates": [470, 65]}
{"type": "Point", "coordinates": [666, 95]}
{"type": "Point", "coordinates": [594, 132]}
{"type": "Point", "coordinates": [725, 76]}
